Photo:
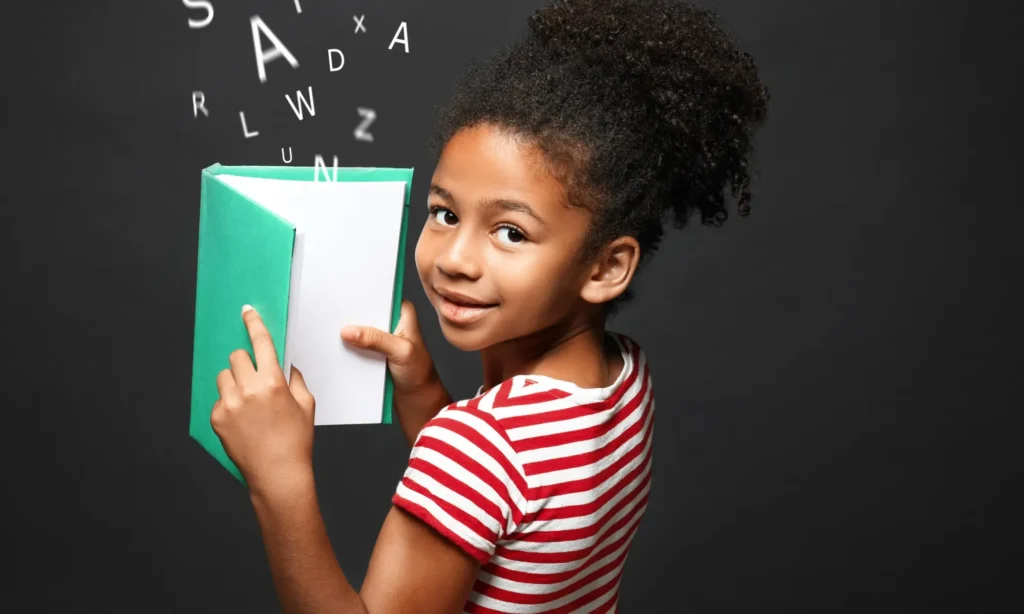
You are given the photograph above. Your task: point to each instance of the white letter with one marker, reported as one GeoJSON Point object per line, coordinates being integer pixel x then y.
{"type": "Point", "coordinates": [245, 130]}
{"type": "Point", "coordinates": [404, 41]}
{"type": "Point", "coordinates": [289, 159]}
{"type": "Point", "coordinates": [359, 24]}
{"type": "Point", "coordinates": [199, 4]}
{"type": "Point", "coordinates": [360, 132]}
{"type": "Point", "coordinates": [319, 163]}
{"type": "Point", "coordinates": [302, 101]}
{"type": "Point", "coordinates": [198, 102]}
{"type": "Point", "coordinates": [330, 59]}
{"type": "Point", "coordinates": [262, 57]}
{"type": "Point", "coordinates": [298, 9]}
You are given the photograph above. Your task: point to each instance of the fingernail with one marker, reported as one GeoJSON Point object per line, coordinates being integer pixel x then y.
{"type": "Point", "coordinates": [246, 308]}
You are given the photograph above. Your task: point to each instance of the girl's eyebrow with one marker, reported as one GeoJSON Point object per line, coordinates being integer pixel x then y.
{"type": "Point", "coordinates": [492, 203]}
{"type": "Point", "coordinates": [443, 193]}
{"type": "Point", "coordinates": [510, 205]}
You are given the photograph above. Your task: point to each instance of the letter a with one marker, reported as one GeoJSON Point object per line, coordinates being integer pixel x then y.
{"type": "Point", "coordinates": [402, 29]}
{"type": "Point", "coordinates": [262, 57]}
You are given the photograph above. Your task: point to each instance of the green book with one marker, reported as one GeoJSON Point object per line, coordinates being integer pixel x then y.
{"type": "Point", "coordinates": [311, 251]}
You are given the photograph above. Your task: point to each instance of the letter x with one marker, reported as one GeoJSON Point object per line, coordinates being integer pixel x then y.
{"type": "Point", "coordinates": [359, 23]}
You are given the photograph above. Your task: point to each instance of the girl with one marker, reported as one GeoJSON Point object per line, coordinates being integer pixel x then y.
{"type": "Point", "coordinates": [559, 159]}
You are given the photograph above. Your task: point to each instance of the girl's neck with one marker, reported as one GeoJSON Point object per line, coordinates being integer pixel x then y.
{"type": "Point", "coordinates": [577, 352]}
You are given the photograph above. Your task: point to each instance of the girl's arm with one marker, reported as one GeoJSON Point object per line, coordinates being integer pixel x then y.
{"type": "Point", "coordinates": [414, 409]}
{"type": "Point", "coordinates": [413, 569]}
{"type": "Point", "coordinates": [266, 425]}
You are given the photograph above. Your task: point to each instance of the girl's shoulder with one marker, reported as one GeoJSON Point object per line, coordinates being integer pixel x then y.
{"type": "Point", "coordinates": [525, 390]}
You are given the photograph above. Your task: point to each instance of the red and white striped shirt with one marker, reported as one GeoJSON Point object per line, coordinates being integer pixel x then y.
{"type": "Point", "coordinates": [544, 482]}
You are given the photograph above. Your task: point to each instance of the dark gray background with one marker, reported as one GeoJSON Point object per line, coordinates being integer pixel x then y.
{"type": "Point", "coordinates": [833, 373]}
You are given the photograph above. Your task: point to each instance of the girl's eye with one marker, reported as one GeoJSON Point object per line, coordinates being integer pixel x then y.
{"type": "Point", "coordinates": [512, 234]}
{"type": "Point", "coordinates": [444, 216]}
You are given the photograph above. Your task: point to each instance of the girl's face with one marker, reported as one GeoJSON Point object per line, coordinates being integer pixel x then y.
{"type": "Point", "coordinates": [498, 255]}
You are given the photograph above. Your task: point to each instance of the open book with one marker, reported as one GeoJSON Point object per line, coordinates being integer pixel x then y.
{"type": "Point", "coordinates": [311, 253]}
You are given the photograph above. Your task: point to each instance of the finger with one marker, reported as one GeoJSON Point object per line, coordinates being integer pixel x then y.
{"type": "Point", "coordinates": [262, 344]}
{"type": "Point", "coordinates": [217, 415]}
{"type": "Point", "coordinates": [241, 364]}
{"type": "Point", "coordinates": [396, 349]}
{"type": "Point", "coordinates": [297, 385]}
{"type": "Point", "coordinates": [225, 384]}
{"type": "Point", "coordinates": [408, 324]}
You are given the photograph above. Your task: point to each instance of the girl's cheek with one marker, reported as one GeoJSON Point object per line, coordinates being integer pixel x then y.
{"type": "Point", "coordinates": [527, 280]}
{"type": "Point", "coordinates": [422, 254]}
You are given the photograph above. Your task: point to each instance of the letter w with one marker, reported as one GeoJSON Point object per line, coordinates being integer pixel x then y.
{"type": "Point", "coordinates": [302, 101]}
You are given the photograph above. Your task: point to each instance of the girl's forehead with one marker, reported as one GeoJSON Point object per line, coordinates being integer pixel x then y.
{"type": "Point", "coordinates": [483, 162]}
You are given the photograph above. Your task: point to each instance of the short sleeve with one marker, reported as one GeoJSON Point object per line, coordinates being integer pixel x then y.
{"type": "Point", "coordinates": [464, 480]}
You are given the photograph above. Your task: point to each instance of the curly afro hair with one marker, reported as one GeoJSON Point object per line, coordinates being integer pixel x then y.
{"type": "Point", "coordinates": [641, 108]}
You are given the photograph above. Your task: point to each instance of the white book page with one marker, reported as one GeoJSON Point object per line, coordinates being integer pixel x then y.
{"type": "Point", "coordinates": [348, 257]}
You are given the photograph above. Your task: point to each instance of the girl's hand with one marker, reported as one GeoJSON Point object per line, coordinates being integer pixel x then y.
{"type": "Point", "coordinates": [408, 360]}
{"type": "Point", "coordinates": [419, 392]}
{"type": "Point", "coordinates": [265, 423]}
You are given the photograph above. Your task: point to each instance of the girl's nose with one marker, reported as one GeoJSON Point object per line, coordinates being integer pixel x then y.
{"type": "Point", "coordinates": [459, 258]}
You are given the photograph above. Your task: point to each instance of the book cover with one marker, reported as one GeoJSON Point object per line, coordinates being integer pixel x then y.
{"type": "Point", "coordinates": [265, 231]}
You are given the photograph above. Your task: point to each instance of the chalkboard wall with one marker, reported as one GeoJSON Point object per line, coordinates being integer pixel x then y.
{"type": "Point", "coordinates": [832, 372]}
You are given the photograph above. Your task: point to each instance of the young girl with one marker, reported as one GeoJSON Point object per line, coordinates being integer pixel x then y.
{"type": "Point", "coordinates": [559, 159]}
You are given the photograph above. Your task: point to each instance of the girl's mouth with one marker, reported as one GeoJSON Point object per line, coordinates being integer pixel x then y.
{"type": "Point", "coordinates": [462, 313]}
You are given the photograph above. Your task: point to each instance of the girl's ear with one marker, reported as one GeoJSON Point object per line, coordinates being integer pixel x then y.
{"type": "Point", "coordinates": [612, 271]}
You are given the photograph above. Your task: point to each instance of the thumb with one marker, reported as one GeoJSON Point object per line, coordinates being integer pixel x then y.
{"type": "Point", "coordinates": [398, 350]}
{"type": "Point", "coordinates": [297, 386]}
{"type": "Point", "coordinates": [408, 325]}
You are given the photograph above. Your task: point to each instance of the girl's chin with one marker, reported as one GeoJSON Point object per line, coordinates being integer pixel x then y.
{"type": "Point", "coordinates": [467, 340]}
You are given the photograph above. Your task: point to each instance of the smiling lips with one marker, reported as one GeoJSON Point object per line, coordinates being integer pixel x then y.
{"type": "Point", "coordinates": [461, 309]}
